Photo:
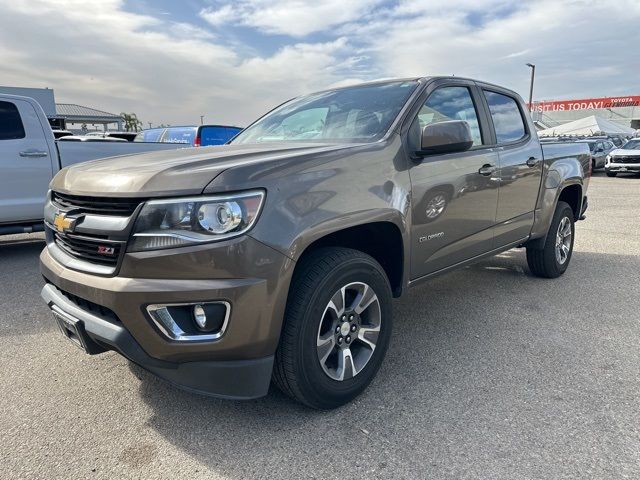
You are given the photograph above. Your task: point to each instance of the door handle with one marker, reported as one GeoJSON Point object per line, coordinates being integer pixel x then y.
{"type": "Point", "coordinates": [33, 153]}
{"type": "Point", "coordinates": [532, 162]}
{"type": "Point", "coordinates": [487, 169]}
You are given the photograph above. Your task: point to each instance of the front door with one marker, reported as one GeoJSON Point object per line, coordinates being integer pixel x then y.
{"type": "Point", "coordinates": [454, 196]}
{"type": "Point", "coordinates": [25, 163]}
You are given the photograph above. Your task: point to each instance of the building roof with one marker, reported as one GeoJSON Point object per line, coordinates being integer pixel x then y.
{"type": "Point", "coordinates": [72, 111]}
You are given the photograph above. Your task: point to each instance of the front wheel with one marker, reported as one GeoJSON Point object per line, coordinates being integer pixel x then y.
{"type": "Point", "coordinates": [552, 260]}
{"type": "Point", "coordinates": [336, 330]}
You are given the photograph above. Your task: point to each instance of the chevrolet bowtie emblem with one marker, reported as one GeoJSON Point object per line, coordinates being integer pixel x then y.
{"type": "Point", "coordinates": [62, 223]}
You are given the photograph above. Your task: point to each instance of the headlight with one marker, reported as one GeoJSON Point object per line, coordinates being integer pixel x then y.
{"type": "Point", "coordinates": [188, 221]}
{"type": "Point", "coordinates": [607, 159]}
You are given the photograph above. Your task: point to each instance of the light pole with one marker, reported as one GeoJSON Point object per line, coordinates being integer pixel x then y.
{"type": "Point", "coordinates": [533, 75]}
{"type": "Point", "coordinates": [149, 124]}
{"type": "Point", "coordinates": [201, 119]}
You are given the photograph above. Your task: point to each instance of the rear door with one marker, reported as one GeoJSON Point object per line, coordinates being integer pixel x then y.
{"type": "Point", "coordinates": [520, 162]}
{"type": "Point", "coordinates": [25, 163]}
{"type": "Point", "coordinates": [455, 195]}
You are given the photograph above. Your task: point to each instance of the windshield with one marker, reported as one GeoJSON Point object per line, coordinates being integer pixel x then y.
{"type": "Point", "coordinates": [631, 145]}
{"type": "Point", "coordinates": [356, 114]}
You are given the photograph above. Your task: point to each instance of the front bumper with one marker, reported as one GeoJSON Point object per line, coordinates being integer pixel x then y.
{"type": "Point", "coordinates": [622, 167]}
{"type": "Point", "coordinates": [248, 275]}
{"type": "Point", "coordinates": [240, 379]}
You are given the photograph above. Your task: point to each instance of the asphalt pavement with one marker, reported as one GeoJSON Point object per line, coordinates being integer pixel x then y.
{"type": "Point", "coordinates": [491, 374]}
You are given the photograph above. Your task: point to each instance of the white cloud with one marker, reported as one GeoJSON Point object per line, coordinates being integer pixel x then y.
{"type": "Point", "coordinates": [164, 71]}
{"type": "Point", "coordinates": [296, 18]}
{"type": "Point", "coordinates": [217, 16]}
{"type": "Point", "coordinates": [173, 72]}
{"type": "Point", "coordinates": [576, 50]}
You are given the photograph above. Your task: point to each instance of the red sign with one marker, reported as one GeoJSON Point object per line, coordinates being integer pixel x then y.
{"type": "Point", "coordinates": [586, 104]}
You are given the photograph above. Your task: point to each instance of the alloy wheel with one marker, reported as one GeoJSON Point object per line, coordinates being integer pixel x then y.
{"type": "Point", "coordinates": [563, 240]}
{"type": "Point", "coordinates": [349, 331]}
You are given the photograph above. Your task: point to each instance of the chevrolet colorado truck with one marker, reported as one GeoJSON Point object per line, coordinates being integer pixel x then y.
{"type": "Point", "coordinates": [30, 156]}
{"type": "Point", "coordinates": [277, 256]}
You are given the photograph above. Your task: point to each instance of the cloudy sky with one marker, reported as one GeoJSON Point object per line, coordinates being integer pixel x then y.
{"type": "Point", "coordinates": [172, 61]}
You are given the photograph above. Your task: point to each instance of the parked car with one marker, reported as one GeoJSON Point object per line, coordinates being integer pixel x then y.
{"type": "Point", "coordinates": [624, 159]}
{"type": "Point", "coordinates": [196, 136]}
{"type": "Point", "coordinates": [30, 156]}
{"type": "Point", "coordinates": [128, 136]}
{"type": "Point", "coordinates": [278, 255]}
{"type": "Point", "coordinates": [599, 150]}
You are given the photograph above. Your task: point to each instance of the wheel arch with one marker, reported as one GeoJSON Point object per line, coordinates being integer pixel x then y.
{"type": "Point", "coordinates": [571, 192]}
{"type": "Point", "coordinates": [382, 240]}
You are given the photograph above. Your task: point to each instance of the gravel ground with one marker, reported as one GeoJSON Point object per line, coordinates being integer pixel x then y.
{"type": "Point", "coordinates": [491, 374]}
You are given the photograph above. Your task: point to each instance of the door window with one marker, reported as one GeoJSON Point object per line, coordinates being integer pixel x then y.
{"type": "Point", "coordinates": [506, 116]}
{"type": "Point", "coordinates": [11, 127]}
{"type": "Point", "coordinates": [449, 103]}
{"type": "Point", "coordinates": [180, 135]}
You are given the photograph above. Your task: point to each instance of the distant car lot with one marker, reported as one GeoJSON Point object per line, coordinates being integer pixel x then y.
{"type": "Point", "coordinates": [518, 378]}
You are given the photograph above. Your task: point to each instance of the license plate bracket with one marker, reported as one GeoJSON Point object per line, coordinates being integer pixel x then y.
{"type": "Point", "coordinates": [73, 329]}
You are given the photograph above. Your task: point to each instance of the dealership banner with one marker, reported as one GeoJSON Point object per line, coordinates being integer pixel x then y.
{"type": "Point", "coordinates": [586, 104]}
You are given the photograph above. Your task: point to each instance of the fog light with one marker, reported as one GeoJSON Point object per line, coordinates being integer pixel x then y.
{"type": "Point", "coordinates": [200, 316]}
{"type": "Point", "coordinates": [187, 322]}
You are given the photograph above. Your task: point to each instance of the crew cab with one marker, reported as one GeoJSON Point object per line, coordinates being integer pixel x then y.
{"type": "Point", "coordinates": [30, 156]}
{"type": "Point", "coordinates": [625, 159]}
{"type": "Point", "coordinates": [277, 256]}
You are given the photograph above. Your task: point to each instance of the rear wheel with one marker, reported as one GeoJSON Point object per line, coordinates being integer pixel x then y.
{"type": "Point", "coordinates": [611, 174]}
{"type": "Point", "coordinates": [553, 258]}
{"type": "Point", "coordinates": [337, 328]}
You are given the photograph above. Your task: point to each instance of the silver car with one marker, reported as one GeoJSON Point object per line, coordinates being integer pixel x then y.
{"type": "Point", "coordinates": [599, 148]}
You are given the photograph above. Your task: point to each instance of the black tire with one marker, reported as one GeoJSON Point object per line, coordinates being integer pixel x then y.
{"type": "Point", "coordinates": [298, 371]}
{"type": "Point", "coordinates": [543, 262]}
{"type": "Point", "coordinates": [611, 174]}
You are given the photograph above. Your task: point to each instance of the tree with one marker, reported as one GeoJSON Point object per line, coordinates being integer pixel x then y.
{"type": "Point", "coordinates": [131, 122]}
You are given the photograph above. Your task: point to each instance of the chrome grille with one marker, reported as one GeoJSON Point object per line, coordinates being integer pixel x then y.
{"type": "Point", "coordinates": [96, 240]}
{"type": "Point", "coordinates": [625, 160]}
{"type": "Point", "coordinates": [94, 250]}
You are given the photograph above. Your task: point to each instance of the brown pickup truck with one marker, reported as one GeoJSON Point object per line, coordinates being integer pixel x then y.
{"type": "Point", "coordinates": [277, 256]}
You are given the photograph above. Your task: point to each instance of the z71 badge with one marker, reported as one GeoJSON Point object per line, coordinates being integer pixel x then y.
{"type": "Point", "coordinates": [102, 250]}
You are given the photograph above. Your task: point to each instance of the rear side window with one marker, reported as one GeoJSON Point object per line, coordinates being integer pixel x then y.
{"type": "Point", "coordinates": [507, 119]}
{"type": "Point", "coordinates": [11, 127]}
{"type": "Point", "coordinates": [216, 135]}
{"type": "Point", "coordinates": [180, 135]}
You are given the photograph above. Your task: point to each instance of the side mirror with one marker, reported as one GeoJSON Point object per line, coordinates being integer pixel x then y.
{"type": "Point", "coordinates": [445, 137]}
{"type": "Point", "coordinates": [599, 150]}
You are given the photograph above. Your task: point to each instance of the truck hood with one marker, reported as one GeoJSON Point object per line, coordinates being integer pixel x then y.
{"type": "Point", "coordinates": [185, 171]}
{"type": "Point", "coordinates": [620, 152]}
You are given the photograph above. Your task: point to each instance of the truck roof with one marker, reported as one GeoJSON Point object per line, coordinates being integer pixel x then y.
{"type": "Point", "coordinates": [417, 79]}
